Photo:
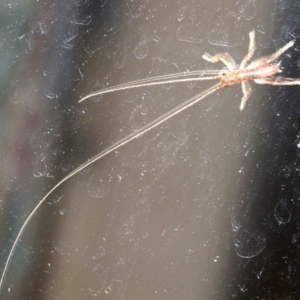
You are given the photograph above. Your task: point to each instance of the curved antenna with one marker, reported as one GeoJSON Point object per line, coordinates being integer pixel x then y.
{"type": "Point", "coordinates": [157, 80]}
{"type": "Point", "coordinates": [173, 112]}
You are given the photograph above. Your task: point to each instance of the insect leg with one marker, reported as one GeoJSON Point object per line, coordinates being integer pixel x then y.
{"type": "Point", "coordinates": [250, 51]}
{"type": "Point", "coordinates": [224, 57]}
{"type": "Point", "coordinates": [278, 81]}
{"type": "Point", "coordinates": [247, 90]}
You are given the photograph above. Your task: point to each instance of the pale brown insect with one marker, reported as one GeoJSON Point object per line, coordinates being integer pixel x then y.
{"type": "Point", "coordinates": [261, 71]}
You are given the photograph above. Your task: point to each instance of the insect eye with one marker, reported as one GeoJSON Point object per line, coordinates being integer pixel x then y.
{"type": "Point", "coordinates": [223, 72]}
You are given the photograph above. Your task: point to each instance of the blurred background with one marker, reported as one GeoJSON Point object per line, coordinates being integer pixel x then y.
{"type": "Point", "coordinates": [206, 206]}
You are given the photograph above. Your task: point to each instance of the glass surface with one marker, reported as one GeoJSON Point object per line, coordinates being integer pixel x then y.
{"type": "Point", "coordinates": [206, 206]}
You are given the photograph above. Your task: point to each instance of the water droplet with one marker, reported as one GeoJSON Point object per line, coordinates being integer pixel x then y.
{"type": "Point", "coordinates": [249, 244]}
{"type": "Point", "coordinates": [138, 118]}
{"type": "Point", "coordinates": [189, 32]}
{"type": "Point", "coordinates": [281, 213]}
{"type": "Point", "coordinates": [181, 13]}
{"type": "Point", "coordinates": [141, 50]}
{"type": "Point", "coordinates": [248, 10]}
{"type": "Point", "coordinates": [49, 94]}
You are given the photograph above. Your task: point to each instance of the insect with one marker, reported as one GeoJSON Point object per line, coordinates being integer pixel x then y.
{"type": "Point", "coordinates": [261, 71]}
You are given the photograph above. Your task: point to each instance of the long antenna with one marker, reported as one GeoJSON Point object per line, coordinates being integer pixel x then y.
{"type": "Point", "coordinates": [181, 107]}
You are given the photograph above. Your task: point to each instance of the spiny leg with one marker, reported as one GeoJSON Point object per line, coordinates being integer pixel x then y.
{"type": "Point", "coordinates": [280, 51]}
{"type": "Point", "coordinates": [246, 88]}
{"type": "Point", "coordinates": [250, 50]}
{"type": "Point", "coordinates": [272, 57]}
{"type": "Point", "coordinates": [278, 81]}
{"type": "Point", "coordinates": [224, 57]}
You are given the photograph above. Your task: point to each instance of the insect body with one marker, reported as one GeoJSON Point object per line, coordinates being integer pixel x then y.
{"type": "Point", "coordinates": [261, 71]}
{"type": "Point", "coordinates": [254, 73]}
